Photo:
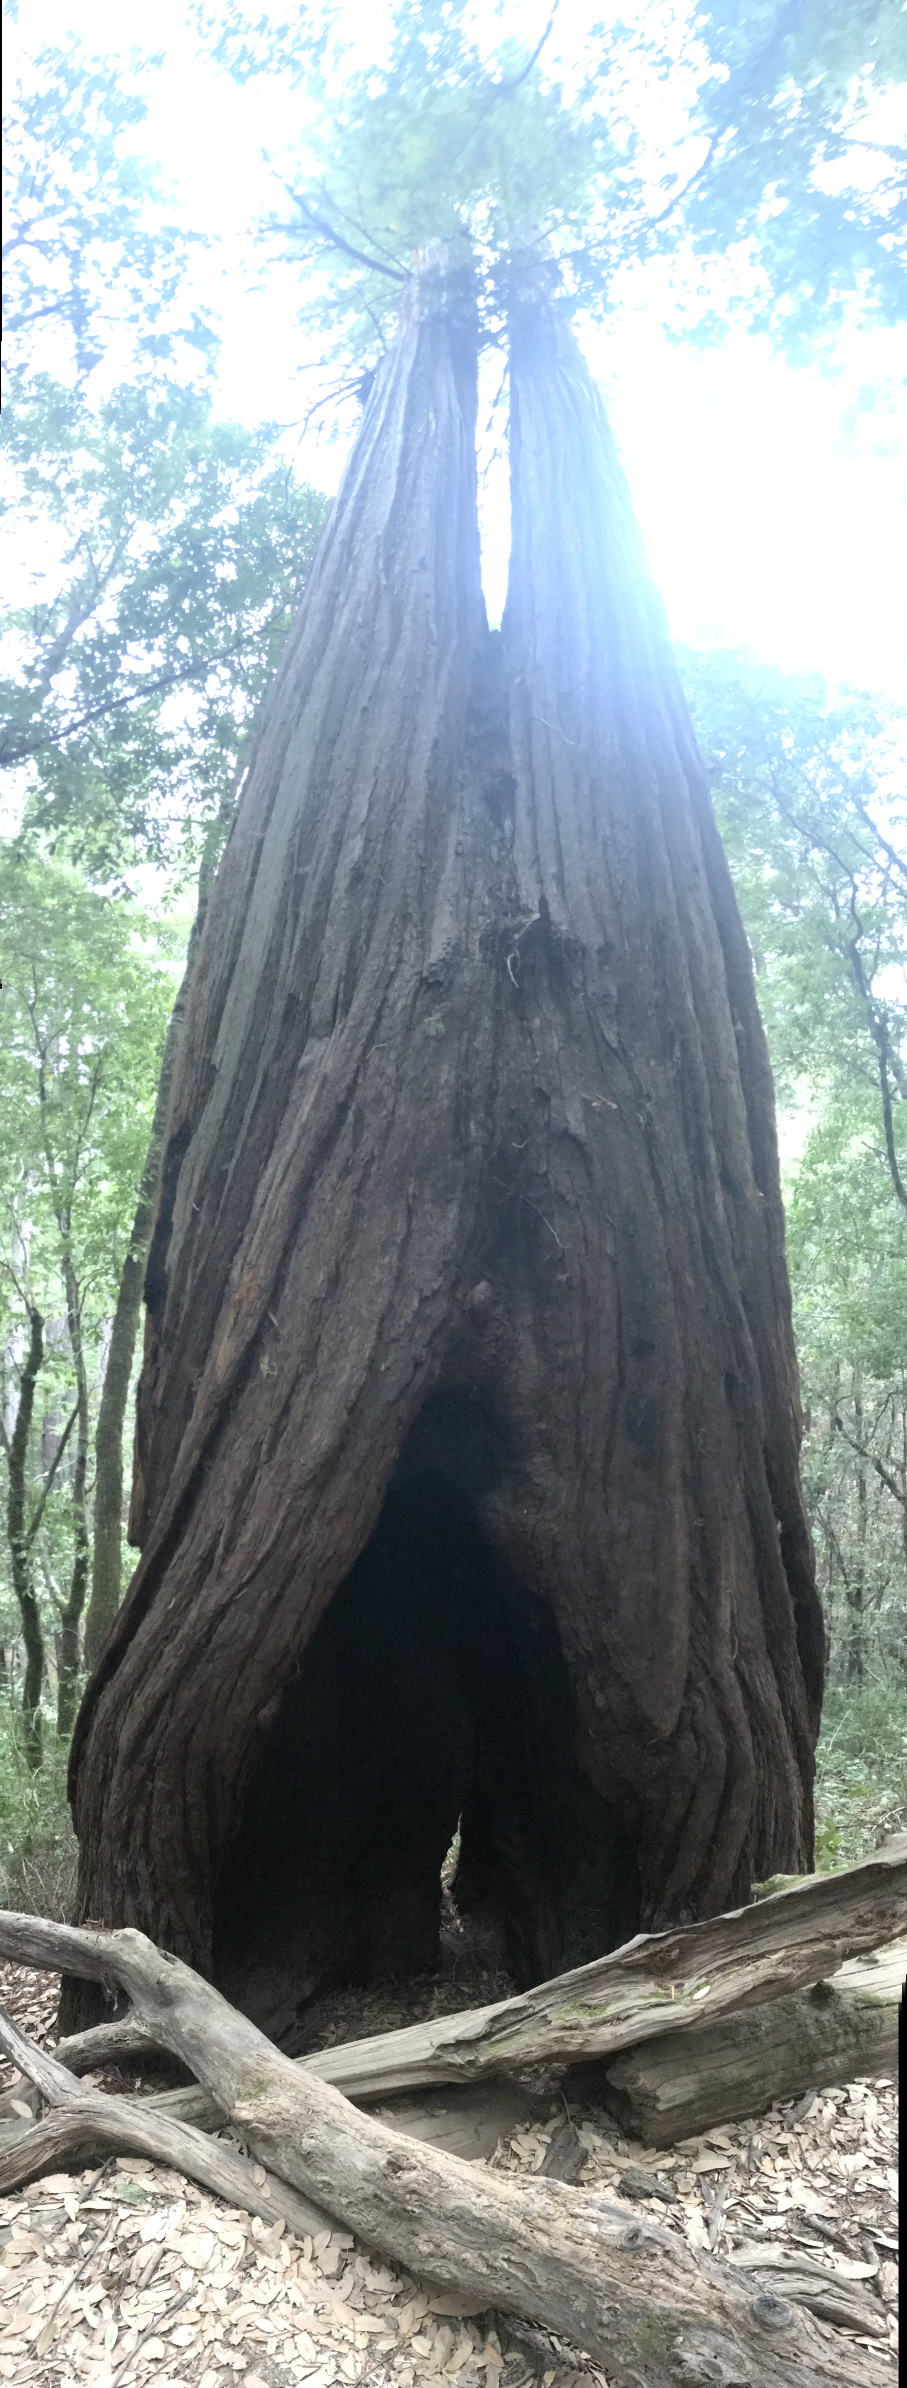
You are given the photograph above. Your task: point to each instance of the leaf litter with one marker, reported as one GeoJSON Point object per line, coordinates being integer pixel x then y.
{"type": "Point", "coordinates": [128, 2274]}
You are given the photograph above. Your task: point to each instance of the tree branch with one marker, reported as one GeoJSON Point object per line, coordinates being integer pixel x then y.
{"type": "Point", "coordinates": [83, 2120]}
{"type": "Point", "coordinates": [328, 232]}
{"type": "Point", "coordinates": [47, 1488]}
{"type": "Point", "coordinates": [512, 82]}
{"type": "Point", "coordinates": [898, 1491]}
{"type": "Point", "coordinates": [13, 752]}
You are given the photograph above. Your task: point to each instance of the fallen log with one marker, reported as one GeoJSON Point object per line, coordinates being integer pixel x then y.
{"type": "Point", "coordinates": [627, 2290]}
{"type": "Point", "coordinates": [659, 1983]}
{"type": "Point", "coordinates": [83, 2123]}
{"type": "Point", "coordinates": [672, 2087]}
{"type": "Point", "coordinates": [829, 2295]}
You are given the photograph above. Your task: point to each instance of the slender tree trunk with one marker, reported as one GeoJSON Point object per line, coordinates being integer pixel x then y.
{"type": "Point", "coordinates": [856, 1589]}
{"type": "Point", "coordinates": [71, 1609]}
{"type": "Point", "coordinates": [20, 1543]}
{"type": "Point", "coordinates": [468, 1427]}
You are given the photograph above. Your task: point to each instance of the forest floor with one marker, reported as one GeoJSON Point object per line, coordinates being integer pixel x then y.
{"type": "Point", "coordinates": [129, 2274]}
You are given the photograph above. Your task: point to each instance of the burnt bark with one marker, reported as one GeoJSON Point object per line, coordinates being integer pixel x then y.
{"type": "Point", "coordinates": [107, 1540]}
{"type": "Point", "coordinates": [468, 1424]}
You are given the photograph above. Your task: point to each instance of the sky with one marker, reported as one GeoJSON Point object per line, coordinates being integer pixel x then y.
{"type": "Point", "coordinates": [773, 505]}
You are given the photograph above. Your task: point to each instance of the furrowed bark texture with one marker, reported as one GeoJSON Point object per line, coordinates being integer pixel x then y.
{"type": "Point", "coordinates": [106, 1556]}
{"type": "Point", "coordinates": [467, 1443]}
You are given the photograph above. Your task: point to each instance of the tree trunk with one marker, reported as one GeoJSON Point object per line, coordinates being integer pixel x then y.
{"type": "Point", "coordinates": [856, 1589]}
{"type": "Point", "coordinates": [107, 1550]}
{"type": "Point", "coordinates": [468, 1426]}
{"type": "Point", "coordinates": [71, 1609]}
{"type": "Point", "coordinates": [106, 1561]}
{"type": "Point", "coordinates": [19, 1540]}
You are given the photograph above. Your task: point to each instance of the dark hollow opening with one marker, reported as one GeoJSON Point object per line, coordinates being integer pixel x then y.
{"type": "Point", "coordinates": [433, 1694]}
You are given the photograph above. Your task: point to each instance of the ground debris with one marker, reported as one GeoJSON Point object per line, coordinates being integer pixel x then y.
{"type": "Point", "coordinates": [127, 2275]}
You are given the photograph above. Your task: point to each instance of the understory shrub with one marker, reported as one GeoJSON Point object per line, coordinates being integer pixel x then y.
{"type": "Point", "coordinates": [37, 1842]}
{"type": "Point", "coordinates": [861, 1772]}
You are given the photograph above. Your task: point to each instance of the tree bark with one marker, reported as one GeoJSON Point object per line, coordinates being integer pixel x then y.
{"type": "Point", "coordinates": [467, 1431]}
{"type": "Point", "coordinates": [842, 2030]}
{"type": "Point", "coordinates": [625, 2289]}
{"type": "Point", "coordinates": [71, 1609]}
{"type": "Point", "coordinates": [20, 1541]}
{"type": "Point", "coordinates": [84, 2121]}
{"type": "Point", "coordinates": [107, 1552]}
{"type": "Point", "coordinates": [106, 1559]}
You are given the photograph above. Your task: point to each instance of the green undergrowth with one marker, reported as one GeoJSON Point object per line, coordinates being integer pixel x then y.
{"type": "Point", "coordinates": [37, 1842]}
{"type": "Point", "coordinates": [861, 1773]}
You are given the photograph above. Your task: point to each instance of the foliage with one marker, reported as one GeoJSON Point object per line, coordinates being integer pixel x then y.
{"type": "Point", "coordinates": [37, 1842]}
{"type": "Point", "coordinates": [164, 548]}
{"type": "Point", "coordinates": [92, 257]}
{"type": "Point", "coordinates": [811, 802]}
{"type": "Point", "coordinates": [747, 144]}
{"type": "Point", "coordinates": [811, 806]}
{"type": "Point", "coordinates": [83, 1013]}
{"type": "Point", "coordinates": [86, 998]}
{"type": "Point", "coordinates": [861, 1773]}
{"type": "Point", "coordinates": [171, 548]}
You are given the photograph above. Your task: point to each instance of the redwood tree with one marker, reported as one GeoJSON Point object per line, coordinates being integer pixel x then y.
{"type": "Point", "coordinates": [466, 1479]}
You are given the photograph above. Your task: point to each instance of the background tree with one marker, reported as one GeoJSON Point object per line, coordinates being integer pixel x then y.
{"type": "Point", "coordinates": [169, 549]}
{"type": "Point", "coordinates": [82, 1018]}
{"type": "Point", "coordinates": [810, 798]}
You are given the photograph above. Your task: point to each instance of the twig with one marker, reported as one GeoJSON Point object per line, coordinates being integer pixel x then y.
{"type": "Point", "coordinates": [151, 2329]}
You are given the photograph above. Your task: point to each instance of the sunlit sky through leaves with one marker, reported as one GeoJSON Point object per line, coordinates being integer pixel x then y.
{"type": "Point", "coordinates": [773, 498]}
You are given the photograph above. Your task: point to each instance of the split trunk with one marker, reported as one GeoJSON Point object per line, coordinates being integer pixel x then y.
{"type": "Point", "coordinates": [468, 1424]}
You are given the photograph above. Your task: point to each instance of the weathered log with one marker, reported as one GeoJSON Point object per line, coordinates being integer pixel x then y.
{"type": "Point", "coordinates": [660, 1983]}
{"type": "Point", "coordinates": [840, 2030]}
{"type": "Point", "coordinates": [789, 2273]}
{"type": "Point", "coordinates": [632, 2294]}
{"type": "Point", "coordinates": [117, 2043]}
{"type": "Point", "coordinates": [84, 2122]}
